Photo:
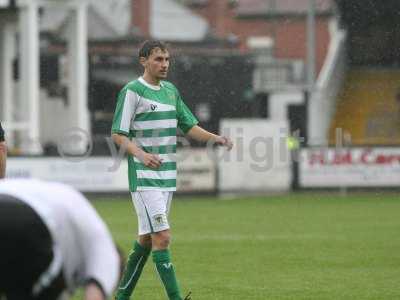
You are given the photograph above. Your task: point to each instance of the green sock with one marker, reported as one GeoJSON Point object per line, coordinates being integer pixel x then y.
{"type": "Point", "coordinates": [136, 260]}
{"type": "Point", "coordinates": [165, 269]}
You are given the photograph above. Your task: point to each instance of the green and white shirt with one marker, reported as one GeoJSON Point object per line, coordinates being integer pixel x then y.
{"type": "Point", "coordinates": [150, 115]}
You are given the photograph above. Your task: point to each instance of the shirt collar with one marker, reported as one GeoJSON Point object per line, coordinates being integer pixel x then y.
{"type": "Point", "coordinates": [151, 86]}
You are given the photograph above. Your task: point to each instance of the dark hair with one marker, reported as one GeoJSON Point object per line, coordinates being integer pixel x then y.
{"type": "Point", "coordinates": [149, 45]}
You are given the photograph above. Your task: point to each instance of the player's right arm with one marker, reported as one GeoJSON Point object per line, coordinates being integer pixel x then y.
{"type": "Point", "coordinates": [124, 114]}
{"type": "Point", "coordinates": [148, 159]}
{"type": "Point", "coordinates": [3, 153]}
{"type": "Point", "coordinates": [93, 292]}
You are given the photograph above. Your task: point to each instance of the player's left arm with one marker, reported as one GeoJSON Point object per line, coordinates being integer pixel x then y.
{"type": "Point", "coordinates": [3, 154]}
{"type": "Point", "coordinates": [199, 134]}
{"type": "Point", "coordinates": [188, 123]}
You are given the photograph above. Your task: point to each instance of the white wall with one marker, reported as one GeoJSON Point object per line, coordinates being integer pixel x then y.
{"type": "Point", "coordinates": [55, 118]}
{"type": "Point", "coordinates": [259, 160]}
{"type": "Point", "coordinates": [279, 101]}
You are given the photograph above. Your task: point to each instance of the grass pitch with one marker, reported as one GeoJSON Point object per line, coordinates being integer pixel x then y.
{"type": "Point", "coordinates": [301, 246]}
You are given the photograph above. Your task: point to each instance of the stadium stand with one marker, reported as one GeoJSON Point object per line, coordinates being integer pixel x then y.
{"type": "Point", "coordinates": [367, 108]}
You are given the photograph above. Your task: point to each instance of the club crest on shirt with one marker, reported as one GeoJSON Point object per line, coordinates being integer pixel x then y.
{"type": "Point", "coordinates": [160, 219]}
{"type": "Point", "coordinates": [153, 107]}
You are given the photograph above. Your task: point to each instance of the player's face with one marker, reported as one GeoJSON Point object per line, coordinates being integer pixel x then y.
{"type": "Point", "coordinates": [157, 64]}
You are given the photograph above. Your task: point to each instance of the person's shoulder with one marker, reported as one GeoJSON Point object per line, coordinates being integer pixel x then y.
{"type": "Point", "coordinates": [64, 191]}
{"type": "Point", "coordinates": [134, 86]}
{"type": "Point", "coordinates": [169, 85]}
{"type": "Point", "coordinates": [58, 186]}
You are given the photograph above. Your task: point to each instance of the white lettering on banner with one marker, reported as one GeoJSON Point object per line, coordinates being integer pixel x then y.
{"type": "Point", "coordinates": [351, 167]}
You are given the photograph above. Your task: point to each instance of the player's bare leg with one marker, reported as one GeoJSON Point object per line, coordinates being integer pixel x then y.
{"type": "Point", "coordinates": [145, 241]}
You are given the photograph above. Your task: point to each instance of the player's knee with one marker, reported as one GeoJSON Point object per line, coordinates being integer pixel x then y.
{"type": "Point", "coordinates": [161, 240]}
{"type": "Point", "coordinates": [165, 239]}
{"type": "Point", "coordinates": [145, 241]}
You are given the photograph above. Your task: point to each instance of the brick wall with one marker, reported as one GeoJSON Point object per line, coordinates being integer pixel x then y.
{"type": "Point", "coordinates": [289, 33]}
{"type": "Point", "coordinates": [140, 16]}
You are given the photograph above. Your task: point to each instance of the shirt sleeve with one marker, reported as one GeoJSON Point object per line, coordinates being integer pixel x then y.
{"type": "Point", "coordinates": [186, 120]}
{"type": "Point", "coordinates": [1, 134]}
{"type": "Point", "coordinates": [124, 111]}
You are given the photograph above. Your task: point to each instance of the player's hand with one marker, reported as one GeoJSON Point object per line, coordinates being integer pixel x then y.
{"type": "Point", "coordinates": [224, 141]}
{"type": "Point", "coordinates": [93, 292]}
{"type": "Point", "coordinates": [150, 160]}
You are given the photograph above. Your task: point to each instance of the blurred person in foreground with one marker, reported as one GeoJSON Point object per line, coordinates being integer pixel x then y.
{"type": "Point", "coordinates": [148, 112]}
{"type": "Point", "coordinates": [52, 241]}
{"type": "Point", "coordinates": [3, 153]}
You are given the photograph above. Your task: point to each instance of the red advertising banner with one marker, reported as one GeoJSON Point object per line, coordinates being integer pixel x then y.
{"type": "Point", "coordinates": [350, 167]}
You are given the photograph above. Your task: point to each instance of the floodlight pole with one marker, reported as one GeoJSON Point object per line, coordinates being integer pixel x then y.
{"type": "Point", "coordinates": [308, 91]}
{"type": "Point", "coordinates": [311, 45]}
{"type": "Point", "coordinates": [29, 73]}
{"type": "Point", "coordinates": [7, 52]}
{"type": "Point", "coordinates": [311, 62]}
{"type": "Point", "coordinates": [78, 71]}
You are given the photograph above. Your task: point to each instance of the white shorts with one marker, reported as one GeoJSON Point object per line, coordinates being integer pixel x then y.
{"type": "Point", "coordinates": [152, 208]}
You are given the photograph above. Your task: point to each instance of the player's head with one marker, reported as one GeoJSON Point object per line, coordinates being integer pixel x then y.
{"type": "Point", "coordinates": [154, 57]}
